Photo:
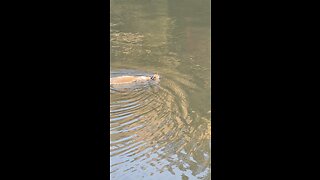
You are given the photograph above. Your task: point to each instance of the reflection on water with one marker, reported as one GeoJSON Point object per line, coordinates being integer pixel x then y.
{"type": "Point", "coordinates": [164, 130]}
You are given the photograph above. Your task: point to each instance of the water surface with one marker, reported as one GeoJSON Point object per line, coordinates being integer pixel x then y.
{"type": "Point", "coordinates": [163, 130]}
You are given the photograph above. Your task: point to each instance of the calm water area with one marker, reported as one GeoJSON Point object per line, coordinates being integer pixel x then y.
{"type": "Point", "coordinates": [162, 130]}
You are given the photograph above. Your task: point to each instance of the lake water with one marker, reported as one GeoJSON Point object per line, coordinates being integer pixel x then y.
{"type": "Point", "coordinates": [161, 130]}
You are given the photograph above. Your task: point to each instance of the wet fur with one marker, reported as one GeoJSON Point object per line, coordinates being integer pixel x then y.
{"type": "Point", "coordinates": [132, 79]}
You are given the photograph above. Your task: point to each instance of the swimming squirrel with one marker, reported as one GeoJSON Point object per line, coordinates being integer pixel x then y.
{"type": "Point", "coordinates": [133, 79]}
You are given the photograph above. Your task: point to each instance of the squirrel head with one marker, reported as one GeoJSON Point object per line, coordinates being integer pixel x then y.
{"type": "Point", "coordinates": [155, 77]}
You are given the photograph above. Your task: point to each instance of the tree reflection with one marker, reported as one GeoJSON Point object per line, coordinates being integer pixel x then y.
{"type": "Point", "coordinates": [171, 38]}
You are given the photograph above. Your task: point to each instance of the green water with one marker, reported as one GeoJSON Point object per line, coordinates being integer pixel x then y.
{"type": "Point", "coordinates": [161, 131]}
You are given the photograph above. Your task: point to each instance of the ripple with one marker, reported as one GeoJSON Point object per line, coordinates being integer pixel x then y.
{"type": "Point", "coordinates": [152, 129]}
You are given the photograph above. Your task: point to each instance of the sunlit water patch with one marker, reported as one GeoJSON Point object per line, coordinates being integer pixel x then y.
{"type": "Point", "coordinates": [153, 132]}
{"type": "Point", "coordinates": [161, 130]}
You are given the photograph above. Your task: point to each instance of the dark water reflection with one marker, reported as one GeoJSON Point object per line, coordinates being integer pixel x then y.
{"type": "Point", "coordinates": [164, 130]}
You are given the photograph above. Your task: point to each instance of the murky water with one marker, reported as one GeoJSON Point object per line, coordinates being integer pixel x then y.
{"type": "Point", "coordinates": [161, 130]}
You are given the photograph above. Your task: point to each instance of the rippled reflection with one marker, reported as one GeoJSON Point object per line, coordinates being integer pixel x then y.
{"type": "Point", "coordinates": [161, 130]}
{"type": "Point", "coordinates": [152, 131]}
